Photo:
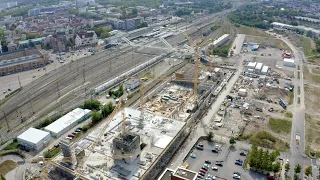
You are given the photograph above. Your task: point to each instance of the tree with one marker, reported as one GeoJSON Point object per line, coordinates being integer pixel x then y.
{"type": "Point", "coordinates": [96, 117]}
{"type": "Point", "coordinates": [287, 167]}
{"type": "Point", "coordinates": [308, 171]}
{"type": "Point", "coordinates": [2, 177]}
{"type": "Point", "coordinates": [297, 169]}
{"type": "Point", "coordinates": [107, 109]}
{"type": "Point", "coordinates": [232, 141]}
{"type": "Point", "coordinates": [309, 34]}
{"type": "Point", "coordinates": [276, 167]}
{"type": "Point", "coordinates": [134, 11]}
{"type": "Point", "coordinates": [32, 36]}
{"type": "Point", "coordinates": [92, 105]}
{"type": "Point", "coordinates": [210, 136]}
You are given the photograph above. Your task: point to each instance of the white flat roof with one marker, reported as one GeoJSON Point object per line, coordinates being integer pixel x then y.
{"type": "Point", "coordinates": [259, 66]}
{"type": "Point", "coordinates": [66, 120]}
{"type": "Point", "coordinates": [265, 69]}
{"type": "Point", "coordinates": [252, 64]}
{"type": "Point", "coordinates": [33, 135]}
{"type": "Point", "coordinates": [288, 60]}
{"type": "Point", "coordinates": [221, 38]}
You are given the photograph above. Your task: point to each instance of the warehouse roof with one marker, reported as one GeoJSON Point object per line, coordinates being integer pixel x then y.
{"type": "Point", "coordinates": [265, 69]}
{"type": "Point", "coordinates": [259, 66]}
{"type": "Point", "coordinates": [252, 64]}
{"type": "Point", "coordinates": [66, 120]}
{"type": "Point", "coordinates": [33, 135]}
{"type": "Point", "coordinates": [288, 60]}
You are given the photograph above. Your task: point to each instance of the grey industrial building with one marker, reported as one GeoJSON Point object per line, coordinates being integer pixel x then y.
{"type": "Point", "coordinates": [34, 139]}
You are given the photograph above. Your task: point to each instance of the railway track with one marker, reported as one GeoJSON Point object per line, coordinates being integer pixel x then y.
{"type": "Point", "coordinates": [65, 87]}
{"type": "Point", "coordinates": [42, 97]}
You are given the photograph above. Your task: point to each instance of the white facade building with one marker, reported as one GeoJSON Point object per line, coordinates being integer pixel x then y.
{"type": "Point", "coordinates": [242, 92]}
{"type": "Point", "coordinates": [34, 139]}
{"type": "Point", "coordinates": [265, 70]}
{"type": "Point", "coordinates": [258, 67]}
{"type": "Point", "coordinates": [221, 40]}
{"type": "Point", "coordinates": [68, 121]}
{"type": "Point", "coordinates": [88, 38]}
{"type": "Point", "coordinates": [252, 65]}
{"type": "Point", "coordinates": [288, 62]}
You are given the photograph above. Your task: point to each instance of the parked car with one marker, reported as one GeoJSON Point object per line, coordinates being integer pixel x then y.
{"type": "Point", "coordinates": [205, 168]}
{"type": "Point", "coordinates": [235, 176]}
{"type": "Point", "coordinates": [70, 138]}
{"type": "Point", "coordinates": [219, 163]}
{"type": "Point", "coordinates": [238, 163]}
{"type": "Point", "coordinates": [193, 155]}
{"type": "Point", "coordinates": [199, 147]}
{"type": "Point", "coordinates": [259, 109]}
{"type": "Point", "coordinates": [207, 161]}
{"type": "Point", "coordinates": [243, 153]}
{"type": "Point", "coordinates": [52, 148]}
{"type": "Point", "coordinates": [215, 168]}
{"type": "Point", "coordinates": [202, 173]}
{"type": "Point", "coordinates": [74, 133]}
{"type": "Point", "coordinates": [71, 135]}
{"type": "Point", "coordinates": [202, 170]}
{"type": "Point", "coordinates": [57, 145]}
{"type": "Point", "coordinates": [215, 151]}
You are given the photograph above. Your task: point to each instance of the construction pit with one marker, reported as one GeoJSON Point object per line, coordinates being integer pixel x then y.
{"type": "Point", "coordinates": [176, 98]}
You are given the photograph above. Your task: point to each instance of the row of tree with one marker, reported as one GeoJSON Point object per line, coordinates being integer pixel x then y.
{"type": "Point", "coordinates": [102, 32]}
{"type": "Point", "coordinates": [98, 112]}
{"type": "Point", "coordinates": [259, 16]}
{"type": "Point", "coordinates": [117, 93]}
{"type": "Point", "coordinates": [263, 160]}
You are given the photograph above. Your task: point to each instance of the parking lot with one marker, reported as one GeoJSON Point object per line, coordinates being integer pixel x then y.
{"type": "Point", "coordinates": [227, 156]}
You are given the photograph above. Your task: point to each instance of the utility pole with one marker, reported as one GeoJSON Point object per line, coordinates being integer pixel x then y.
{"type": "Point", "coordinates": [19, 82]}
{"type": "Point", "coordinates": [5, 117]}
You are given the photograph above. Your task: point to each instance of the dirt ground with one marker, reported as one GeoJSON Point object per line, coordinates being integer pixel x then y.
{"type": "Point", "coordinates": [312, 99]}
{"type": "Point", "coordinates": [313, 132]}
{"type": "Point", "coordinates": [267, 41]}
{"type": "Point", "coordinates": [309, 77]}
{"type": "Point", "coordinates": [252, 31]}
{"type": "Point", "coordinates": [315, 61]}
{"type": "Point", "coordinates": [316, 70]}
{"type": "Point", "coordinates": [7, 166]}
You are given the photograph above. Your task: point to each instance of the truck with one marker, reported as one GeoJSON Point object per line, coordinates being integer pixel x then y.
{"type": "Point", "coordinates": [297, 139]}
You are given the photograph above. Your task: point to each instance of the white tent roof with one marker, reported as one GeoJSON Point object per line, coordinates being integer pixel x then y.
{"type": "Point", "coordinates": [33, 135]}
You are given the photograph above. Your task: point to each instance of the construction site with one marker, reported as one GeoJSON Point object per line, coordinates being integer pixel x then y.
{"type": "Point", "coordinates": [137, 141]}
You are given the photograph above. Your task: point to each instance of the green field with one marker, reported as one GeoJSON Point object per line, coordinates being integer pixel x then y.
{"type": "Point", "coordinates": [280, 125]}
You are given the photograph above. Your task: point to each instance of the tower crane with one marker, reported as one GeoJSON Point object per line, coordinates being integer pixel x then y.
{"type": "Point", "coordinates": [109, 118]}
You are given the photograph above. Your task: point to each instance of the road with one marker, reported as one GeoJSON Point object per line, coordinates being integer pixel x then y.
{"type": "Point", "coordinates": [298, 120]}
